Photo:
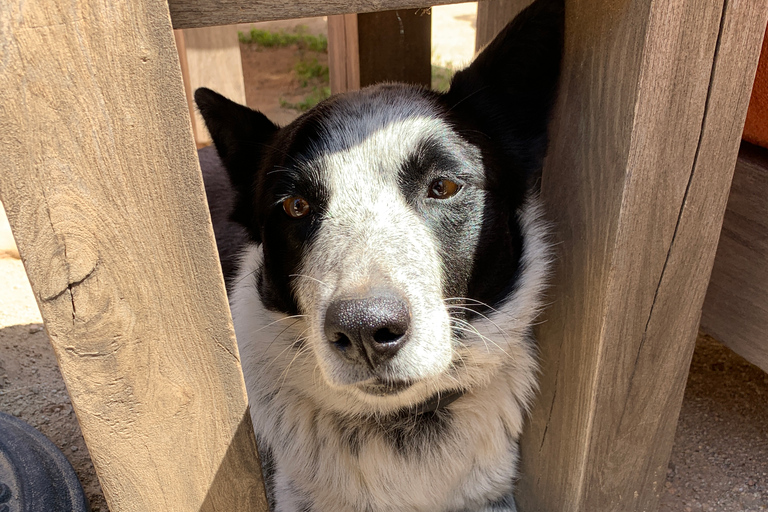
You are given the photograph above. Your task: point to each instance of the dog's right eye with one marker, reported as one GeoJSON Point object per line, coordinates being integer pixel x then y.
{"type": "Point", "coordinates": [296, 207]}
{"type": "Point", "coordinates": [443, 188]}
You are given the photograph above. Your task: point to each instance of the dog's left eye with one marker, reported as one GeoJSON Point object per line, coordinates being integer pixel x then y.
{"type": "Point", "coordinates": [443, 188]}
{"type": "Point", "coordinates": [296, 207]}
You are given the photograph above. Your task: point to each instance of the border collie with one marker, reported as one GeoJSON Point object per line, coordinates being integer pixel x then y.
{"type": "Point", "coordinates": [386, 258]}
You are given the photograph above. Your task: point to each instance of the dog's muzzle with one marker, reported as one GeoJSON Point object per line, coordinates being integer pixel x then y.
{"type": "Point", "coordinates": [368, 330]}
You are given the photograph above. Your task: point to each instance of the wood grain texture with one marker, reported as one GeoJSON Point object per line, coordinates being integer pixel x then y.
{"type": "Point", "coordinates": [492, 16]}
{"type": "Point", "coordinates": [213, 60]}
{"type": "Point", "coordinates": [181, 50]}
{"type": "Point", "coordinates": [343, 53]}
{"type": "Point", "coordinates": [395, 46]}
{"type": "Point", "coordinates": [203, 13]}
{"type": "Point", "coordinates": [736, 307]}
{"type": "Point", "coordinates": [103, 192]}
{"type": "Point", "coordinates": [652, 101]}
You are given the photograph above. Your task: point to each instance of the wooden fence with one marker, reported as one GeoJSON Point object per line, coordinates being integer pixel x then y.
{"type": "Point", "coordinates": [102, 188]}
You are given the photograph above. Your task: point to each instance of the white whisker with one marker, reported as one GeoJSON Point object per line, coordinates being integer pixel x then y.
{"type": "Point", "coordinates": [467, 327]}
{"type": "Point", "coordinates": [310, 277]}
{"type": "Point", "coordinates": [502, 331]}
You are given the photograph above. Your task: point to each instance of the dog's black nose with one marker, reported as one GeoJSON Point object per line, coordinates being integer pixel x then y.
{"type": "Point", "coordinates": [368, 330]}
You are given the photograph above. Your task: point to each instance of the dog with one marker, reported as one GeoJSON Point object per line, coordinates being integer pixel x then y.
{"type": "Point", "coordinates": [386, 256]}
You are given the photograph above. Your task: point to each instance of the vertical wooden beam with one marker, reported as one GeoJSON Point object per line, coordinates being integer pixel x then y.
{"type": "Point", "coordinates": [492, 16]}
{"type": "Point", "coordinates": [213, 57]}
{"type": "Point", "coordinates": [343, 53]}
{"type": "Point", "coordinates": [389, 46]}
{"type": "Point", "coordinates": [181, 49]}
{"type": "Point", "coordinates": [395, 46]}
{"type": "Point", "coordinates": [100, 181]}
{"type": "Point", "coordinates": [652, 103]}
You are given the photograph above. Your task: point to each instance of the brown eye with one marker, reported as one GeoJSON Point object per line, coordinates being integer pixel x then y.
{"type": "Point", "coordinates": [296, 207]}
{"type": "Point", "coordinates": [443, 188]}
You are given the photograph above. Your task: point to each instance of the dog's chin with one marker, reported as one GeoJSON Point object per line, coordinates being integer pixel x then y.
{"type": "Point", "coordinates": [378, 396]}
{"type": "Point", "coordinates": [382, 388]}
{"type": "Point", "coordinates": [386, 389]}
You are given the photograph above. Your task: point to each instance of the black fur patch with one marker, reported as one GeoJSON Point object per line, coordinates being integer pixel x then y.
{"type": "Point", "coordinates": [268, 471]}
{"type": "Point", "coordinates": [350, 433]}
{"type": "Point", "coordinates": [412, 436]}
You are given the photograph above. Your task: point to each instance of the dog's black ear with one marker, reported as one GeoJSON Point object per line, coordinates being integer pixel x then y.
{"type": "Point", "coordinates": [509, 89]}
{"type": "Point", "coordinates": [239, 134]}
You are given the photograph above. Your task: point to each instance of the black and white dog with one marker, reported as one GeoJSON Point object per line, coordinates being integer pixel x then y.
{"type": "Point", "coordinates": [391, 262]}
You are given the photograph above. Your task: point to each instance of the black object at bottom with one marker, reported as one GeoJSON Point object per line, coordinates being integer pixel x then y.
{"type": "Point", "coordinates": [34, 475]}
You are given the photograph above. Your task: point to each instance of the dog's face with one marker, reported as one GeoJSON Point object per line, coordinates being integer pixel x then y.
{"type": "Point", "coordinates": [389, 220]}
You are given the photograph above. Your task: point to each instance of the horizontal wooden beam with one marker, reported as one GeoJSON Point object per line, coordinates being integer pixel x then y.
{"type": "Point", "coordinates": [736, 308]}
{"type": "Point", "coordinates": [204, 13]}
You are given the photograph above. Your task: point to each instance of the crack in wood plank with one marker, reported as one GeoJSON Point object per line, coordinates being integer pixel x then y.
{"type": "Point", "coordinates": [707, 105]}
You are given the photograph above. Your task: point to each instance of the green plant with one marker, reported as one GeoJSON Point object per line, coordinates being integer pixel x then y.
{"type": "Point", "coordinates": [441, 77]}
{"type": "Point", "coordinates": [267, 39]}
{"type": "Point", "coordinates": [307, 69]}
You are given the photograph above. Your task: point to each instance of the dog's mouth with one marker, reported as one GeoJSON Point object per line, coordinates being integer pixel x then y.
{"type": "Point", "coordinates": [380, 387]}
{"type": "Point", "coordinates": [437, 401]}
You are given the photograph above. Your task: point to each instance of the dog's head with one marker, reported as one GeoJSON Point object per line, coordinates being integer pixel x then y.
{"type": "Point", "coordinates": [391, 220]}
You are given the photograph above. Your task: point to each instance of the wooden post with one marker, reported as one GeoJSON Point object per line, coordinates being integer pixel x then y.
{"type": "Point", "coordinates": [395, 46]}
{"type": "Point", "coordinates": [492, 16]}
{"type": "Point", "coordinates": [389, 46]}
{"type": "Point", "coordinates": [103, 192]}
{"type": "Point", "coordinates": [646, 132]}
{"type": "Point", "coordinates": [181, 49]}
{"type": "Point", "coordinates": [343, 53]}
{"type": "Point", "coordinates": [213, 60]}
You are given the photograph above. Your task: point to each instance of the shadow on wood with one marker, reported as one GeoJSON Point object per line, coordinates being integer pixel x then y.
{"type": "Point", "coordinates": [736, 308]}
{"type": "Point", "coordinates": [492, 16]}
{"type": "Point", "coordinates": [395, 46]}
{"type": "Point", "coordinates": [239, 460]}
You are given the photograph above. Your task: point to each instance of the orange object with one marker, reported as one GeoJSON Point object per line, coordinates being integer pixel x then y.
{"type": "Point", "coordinates": [756, 127]}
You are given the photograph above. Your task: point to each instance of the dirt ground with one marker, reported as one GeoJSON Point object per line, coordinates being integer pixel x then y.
{"type": "Point", "coordinates": [31, 387]}
{"type": "Point", "coordinates": [269, 78]}
{"type": "Point", "coordinates": [719, 462]}
{"type": "Point", "coordinates": [720, 459]}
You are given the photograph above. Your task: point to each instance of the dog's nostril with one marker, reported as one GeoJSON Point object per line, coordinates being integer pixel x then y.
{"type": "Point", "coordinates": [385, 335]}
{"type": "Point", "coordinates": [341, 342]}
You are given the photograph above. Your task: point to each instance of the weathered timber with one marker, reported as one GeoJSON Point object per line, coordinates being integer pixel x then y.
{"type": "Point", "coordinates": [203, 13]}
{"type": "Point", "coordinates": [343, 53]}
{"type": "Point", "coordinates": [645, 135]}
{"type": "Point", "coordinates": [213, 61]}
{"type": "Point", "coordinates": [395, 46]}
{"type": "Point", "coordinates": [100, 181]}
{"type": "Point", "coordinates": [492, 16]}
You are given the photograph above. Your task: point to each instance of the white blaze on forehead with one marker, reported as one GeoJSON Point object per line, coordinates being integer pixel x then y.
{"type": "Point", "coordinates": [370, 239]}
{"type": "Point", "coordinates": [365, 175]}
